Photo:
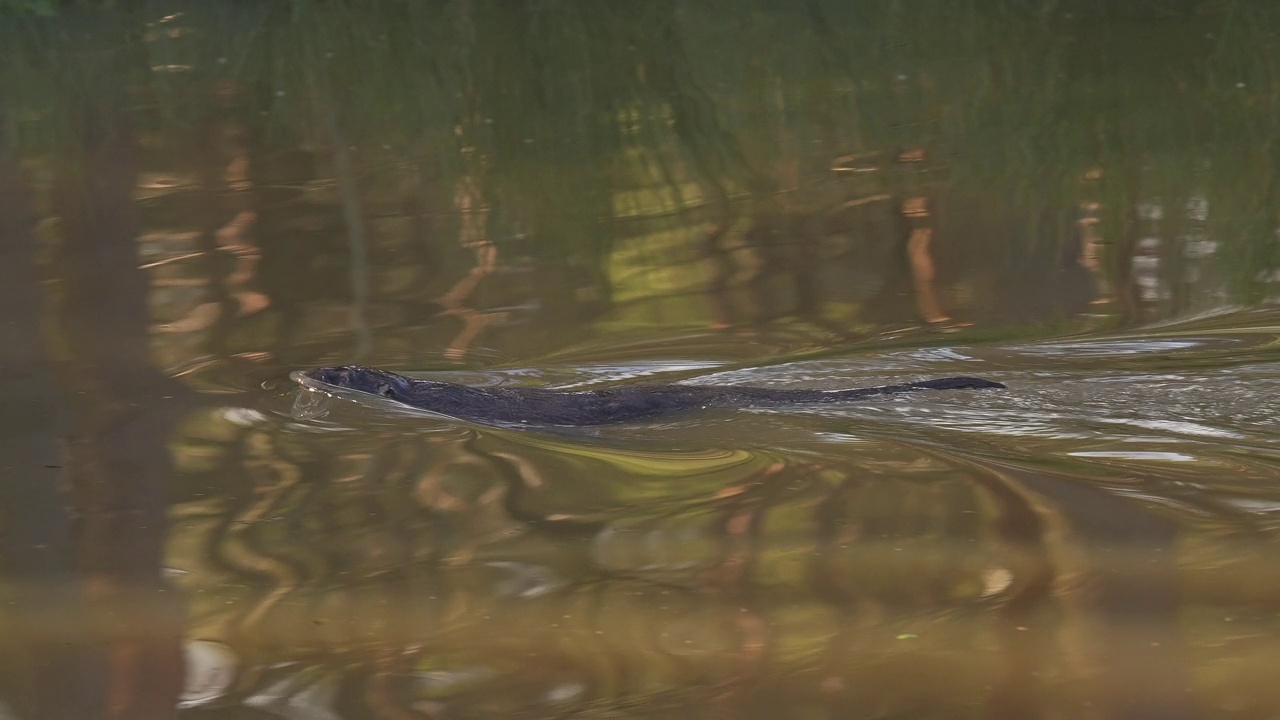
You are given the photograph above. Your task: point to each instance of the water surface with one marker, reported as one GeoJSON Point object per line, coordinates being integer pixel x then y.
{"type": "Point", "coordinates": [1074, 199]}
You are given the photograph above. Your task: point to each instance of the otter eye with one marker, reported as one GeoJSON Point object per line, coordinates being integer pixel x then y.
{"type": "Point", "coordinates": [384, 390]}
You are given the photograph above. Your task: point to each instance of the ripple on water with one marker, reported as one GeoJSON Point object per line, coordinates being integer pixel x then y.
{"type": "Point", "coordinates": [551, 562]}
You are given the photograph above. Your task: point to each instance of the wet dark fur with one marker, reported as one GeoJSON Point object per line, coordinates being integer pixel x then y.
{"type": "Point", "coordinates": [541, 406]}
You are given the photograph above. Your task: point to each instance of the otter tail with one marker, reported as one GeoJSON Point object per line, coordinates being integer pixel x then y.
{"type": "Point", "coordinates": [951, 383]}
{"type": "Point", "coordinates": [956, 383]}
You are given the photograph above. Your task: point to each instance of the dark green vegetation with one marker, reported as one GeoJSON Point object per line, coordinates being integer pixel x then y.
{"type": "Point", "coordinates": [626, 154]}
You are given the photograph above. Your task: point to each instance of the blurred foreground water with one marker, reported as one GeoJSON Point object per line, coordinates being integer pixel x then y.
{"type": "Point", "coordinates": [1075, 199]}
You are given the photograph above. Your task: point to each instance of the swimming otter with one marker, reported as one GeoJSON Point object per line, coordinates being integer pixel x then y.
{"type": "Point", "coordinates": [540, 406]}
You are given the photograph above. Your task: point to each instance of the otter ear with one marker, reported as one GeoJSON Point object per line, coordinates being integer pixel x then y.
{"type": "Point", "coordinates": [384, 390]}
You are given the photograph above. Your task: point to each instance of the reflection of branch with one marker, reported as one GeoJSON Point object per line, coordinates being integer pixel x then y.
{"type": "Point", "coordinates": [225, 186]}
{"type": "Point", "coordinates": [231, 238]}
{"type": "Point", "coordinates": [917, 212]}
{"type": "Point", "coordinates": [383, 694]}
{"type": "Point", "coordinates": [859, 202]}
{"type": "Point", "coordinates": [276, 479]}
{"type": "Point", "coordinates": [832, 531]}
{"type": "Point", "coordinates": [747, 504]}
{"type": "Point", "coordinates": [924, 276]}
{"type": "Point", "coordinates": [431, 492]}
{"type": "Point", "coordinates": [474, 235]}
{"type": "Point", "coordinates": [1090, 257]}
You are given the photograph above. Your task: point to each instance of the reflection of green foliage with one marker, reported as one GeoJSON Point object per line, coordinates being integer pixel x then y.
{"type": "Point", "coordinates": [568, 108]}
{"type": "Point", "coordinates": [664, 464]}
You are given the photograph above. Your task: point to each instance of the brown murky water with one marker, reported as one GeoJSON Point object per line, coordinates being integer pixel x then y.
{"type": "Point", "coordinates": [1075, 199]}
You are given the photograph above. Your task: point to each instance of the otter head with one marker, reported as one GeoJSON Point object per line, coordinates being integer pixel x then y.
{"type": "Point", "coordinates": [363, 379]}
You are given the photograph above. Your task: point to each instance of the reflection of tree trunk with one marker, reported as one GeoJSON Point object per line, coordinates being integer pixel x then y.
{"type": "Point", "coordinates": [741, 533]}
{"type": "Point", "coordinates": [924, 276]}
{"type": "Point", "coordinates": [226, 219]}
{"type": "Point", "coordinates": [1125, 609]}
{"type": "Point", "coordinates": [352, 216]}
{"type": "Point", "coordinates": [121, 465]}
{"type": "Point", "coordinates": [1126, 246]}
{"type": "Point", "coordinates": [721, 270]}
{"type": "Point", "coordinates": [1091, 253]}
{"type": "Point", "coordinates": [1026, 636]}
{"type": "Point", "coordinates": [833, 528]}
{"type": "Point", "coordinates": [473, 235]}
{"type": "Point", "coordinates": [63, 676]}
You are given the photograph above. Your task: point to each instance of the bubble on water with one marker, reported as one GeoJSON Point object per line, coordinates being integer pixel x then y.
{"type": "Point", "coordinates": [310, 405]}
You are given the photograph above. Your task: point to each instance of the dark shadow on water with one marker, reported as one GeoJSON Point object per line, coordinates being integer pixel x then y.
{"type": "Point", "coordinates": [46, 673]}
{"type": "Point", "coordinates": [89, 523]}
